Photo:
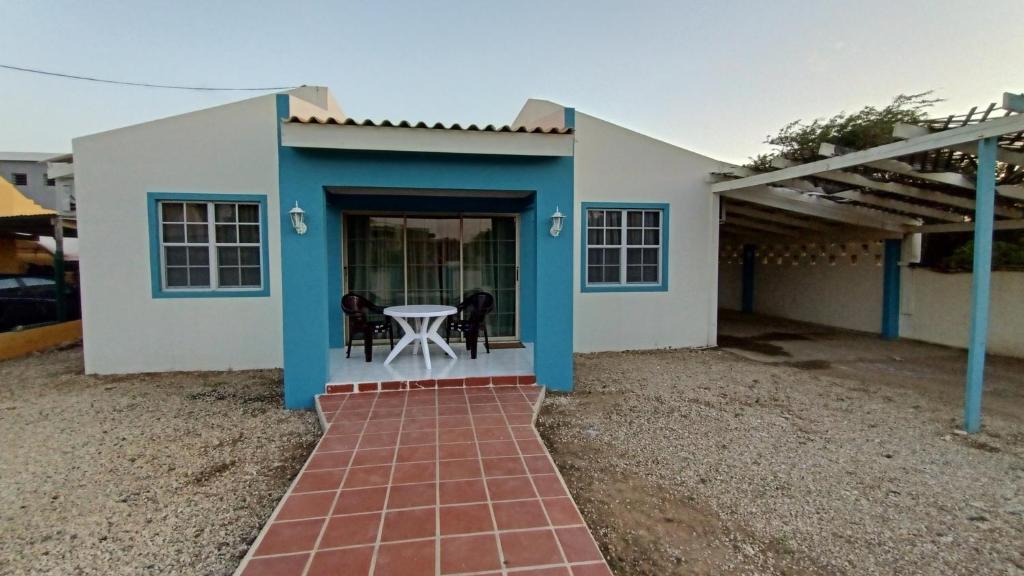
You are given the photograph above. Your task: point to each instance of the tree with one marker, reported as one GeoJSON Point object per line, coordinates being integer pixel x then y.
{"type": "Point", "coordinates": [799, 141]}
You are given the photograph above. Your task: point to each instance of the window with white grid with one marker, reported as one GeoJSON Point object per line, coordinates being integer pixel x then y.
{"type": "Point", "coordinates": [210, 245]}
{"type": "Point", "coordinates": [623, 247]}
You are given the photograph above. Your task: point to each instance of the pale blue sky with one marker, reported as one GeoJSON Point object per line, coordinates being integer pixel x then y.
{"type": "Point", "coordinates": [713, 76]}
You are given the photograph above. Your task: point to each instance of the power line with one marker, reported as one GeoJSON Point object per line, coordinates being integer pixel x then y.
{"type": "Point", "coordinates": [142, 84]}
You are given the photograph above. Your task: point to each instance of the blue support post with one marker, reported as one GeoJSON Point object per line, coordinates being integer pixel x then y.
{"type": "Point", "coordinates": [749, 257]}
{"type": "Point", "coordinates": [891, 290]}
{"type": "Point", "coordinates": [983, 217]}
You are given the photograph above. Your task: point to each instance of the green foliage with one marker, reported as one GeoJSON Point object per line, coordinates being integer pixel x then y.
{"type": "Point", "coordinates": [1007, 253]}
{"type": "Point", "coordinates": [799, 141]}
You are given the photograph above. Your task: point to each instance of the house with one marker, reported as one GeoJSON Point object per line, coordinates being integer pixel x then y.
{"type": "Point", "coordinates": [190, 260]}
{"type": "Point", "coordinates": [45, 177]}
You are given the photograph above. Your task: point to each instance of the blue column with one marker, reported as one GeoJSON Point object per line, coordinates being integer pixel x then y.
{"type": "Point", "coordinates": [749, 258]}
{"type": "Point", "coordinates": [891, 290]}
{"type": "Point", "coordinates": [983, 217]}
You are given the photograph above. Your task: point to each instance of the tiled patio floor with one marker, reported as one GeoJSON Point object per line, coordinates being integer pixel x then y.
{"type": "Point", "coordinates": [428, 482]}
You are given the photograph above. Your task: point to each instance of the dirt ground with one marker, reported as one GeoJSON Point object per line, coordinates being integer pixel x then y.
{"type": "Point", "coordinates": [798, 450]}
{"type": "Point", "coordinates": [141, 474]}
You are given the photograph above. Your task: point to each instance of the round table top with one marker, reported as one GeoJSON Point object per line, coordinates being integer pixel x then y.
{"type": "Point", "coordinates": [420, 311]}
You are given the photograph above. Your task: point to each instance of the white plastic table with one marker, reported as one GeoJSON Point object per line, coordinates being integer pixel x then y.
{"type": "Point", "coordinates": [428, 319]}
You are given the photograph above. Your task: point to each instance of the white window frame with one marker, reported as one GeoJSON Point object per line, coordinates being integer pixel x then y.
{"type": "Point", "coordinates": [623, 245]}
{"type": "Point", "coordinates": [211, 245]}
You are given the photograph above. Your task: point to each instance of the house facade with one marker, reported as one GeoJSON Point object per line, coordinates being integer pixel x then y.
{"type": "Point", "coordinates": [190, 261]}
{"type": "Point", "coordinates": [44, 177]}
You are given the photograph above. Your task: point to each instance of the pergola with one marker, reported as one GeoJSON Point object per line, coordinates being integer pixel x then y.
{"type": "Point", "coordinates": [960, 173]}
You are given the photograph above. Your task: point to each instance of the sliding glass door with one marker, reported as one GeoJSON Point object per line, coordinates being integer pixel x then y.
{"type": "Point", "coordinates": [435, 260]}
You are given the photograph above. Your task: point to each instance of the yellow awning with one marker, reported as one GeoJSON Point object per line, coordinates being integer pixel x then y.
{"type": "Point", "coordinates": [14, 203]}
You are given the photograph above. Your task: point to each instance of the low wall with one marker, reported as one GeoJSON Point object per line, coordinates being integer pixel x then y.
{"type": "Point", "coordinates": [24, 342]}
{"type": "Point", "coordinates": [936, 307]}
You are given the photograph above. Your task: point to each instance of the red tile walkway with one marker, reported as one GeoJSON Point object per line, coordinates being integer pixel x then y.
{"type": "Point", "coordinates": [428, 482]}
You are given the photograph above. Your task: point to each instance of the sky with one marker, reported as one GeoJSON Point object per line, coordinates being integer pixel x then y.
{"type": "Point", "coordinates": [715, 77]}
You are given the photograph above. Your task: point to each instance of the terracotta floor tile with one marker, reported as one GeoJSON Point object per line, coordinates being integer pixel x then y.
{"type": "Point", "coordinates": [503, 466]}
{"type": "Point", "coordinates": [462, 492]}
{"type": "Point", "coordinates": [285, 537]}
{"type": "Point", "coordinates": [530, 447]}
{"type": "Point", "coordinates": [459, 469]}
{"type": "Point", "coordinates": [423, 453]}
{"type": "Point", "coordinates": [510, 488]}
{"type": "Point", "coordinates": [466, 519]}
{"type": "Point", "coordinates": [336, 443]}
{"type": "Point", "coordinates": [499, 448]}
{"type": "Point", "coordinates": [519, 419]}
{"type": "Point", "coordinates": [373, 456]}
{"type": "Point", "coordinates": [412, 495]}
{"type": "Point", "coordinates": [350, 562]}
{"type": "Point", "coordinates": [451, 422]}
{"type": "Point", "coordinates": [485, 409]}
{"type": "Point", "coordinates": [492, 434]}
{"type": "Point", "coordinates": [420, 412]}
{"type": "Point", "coordinates": [530, 548]}
{"type": "Point", "coordinates": [345, 428]}
{"type": "Point", "coordinates": [383, 440]}
{"type": "Point", "coordinates": [469, 554]}
{"type": "Point", "coordinates": [328, 460]}
{"type": "Point", "coordinates": [562, 511]}
{"type": "Point", "coordinates": [553, 571]}
{"type": "Point", "coordinates": [448, 436]}
{"type": "Point", "coordinates": [414, 473]}
{"type": "Point", "coordinates": [382, 426]}
{"type": "Point", "coordinates": [351, 530]}
{"type": "Point", "coordinates": [367, 476]}
{"type": "Point", "coordinates": [539, 465]}
{"type": "Point", "coordinates": [386, 414]}
{"type": "Point", "coordinates": [488, 420]}
{"type": "Point", "coordinates": [549, 486]}
{"type": "Point", "coordinates": [361, 500]}
{"type": "Point", "coordinates": [519, 514]}
{"type": "Point", "coordinates": [418, 437]}
{"type": "Point", "coordinates": [523, 432]}
{"type": "Point", "coordinates": [314, 480]}
{"type": "Point", "coordinates": [453, 410]}
{"type": "Point", "coordinates": [409, 524]}
{"type": "Point", "coordinates": [406, 559]}
{"type": "Point", "coordinates": [300, 506]}
{"type": "Point", "coordinates": [578, 544]}
{"type": "Point", "coordinates": [291, 565]}
{"type": "Point", "coordinates": [457, 451]}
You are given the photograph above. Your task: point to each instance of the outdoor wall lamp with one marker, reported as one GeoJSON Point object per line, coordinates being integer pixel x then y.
{"type": "Point", "coordinates": [557, 219]}
{"type": "Point", "coordinates": [298, 216]}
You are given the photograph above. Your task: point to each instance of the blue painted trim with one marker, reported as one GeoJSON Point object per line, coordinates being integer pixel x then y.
{"type": "Point", "coordinates": [891, 289]}
{"type": "Point", "coordinates": [335, 264]}
{"type": "Point", "coordinates": [154, 198]}
{"type": "Point", "coordinates": [981, 282]}
{"type": "Point", "coordinates": [569, 120]}
{"type": "Point", "coordinates": [546, 263]}
{"type": "Point", "coordinates": [749, 265]}
{"type": "Point", "coordinates": [661, 286]}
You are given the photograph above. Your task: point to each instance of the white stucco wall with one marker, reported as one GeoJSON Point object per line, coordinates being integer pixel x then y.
{"type": "Point", "coordinates": [936, 307]}
{"type": "Point", "coordinates": [844, 295]}
{"type": "Point", "coordinates": [228, 149]}
{"type": "Point", "coordinates": [614, 164]}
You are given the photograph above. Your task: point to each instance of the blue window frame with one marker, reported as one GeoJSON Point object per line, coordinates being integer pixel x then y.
{"type": "Point", "coordinates": [624, 247]}
{"type": "Point", "coordinates": [208, 245]}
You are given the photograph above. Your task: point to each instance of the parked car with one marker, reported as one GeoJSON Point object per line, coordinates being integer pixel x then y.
{"type": "Point", "coordinates": [28, 300]}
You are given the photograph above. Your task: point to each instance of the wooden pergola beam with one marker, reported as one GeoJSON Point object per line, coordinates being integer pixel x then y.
{"type": "Point", "coordinates": [743, 210]}
{"type": "Point", "coordinates": [913, 131]}
{"type": "Point", "coordinates": [969, 227]}
{"type": "Point", "coordinates": [758, 225]}
{"type": "Point", "coordinates": [808, 205]}
{"type": "Point", "coordinates": [905, 207]}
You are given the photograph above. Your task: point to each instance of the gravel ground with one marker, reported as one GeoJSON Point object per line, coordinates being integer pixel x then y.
{"type": "Point", "coordinates": [140, 474]}
{"type": "Point", "coordinates": [703, 462]}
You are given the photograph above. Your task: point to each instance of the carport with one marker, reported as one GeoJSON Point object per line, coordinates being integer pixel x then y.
{"type": "Point", "coordinates": [960, 173]}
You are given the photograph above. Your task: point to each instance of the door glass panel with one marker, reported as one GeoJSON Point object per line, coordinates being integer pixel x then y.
{"type": "Point", "coordinates": [489, 264]}
{"type": "Point", "coordinates": [432, 253]}
{"type": "Point", "coordinates": [374, 260]}
{"type": "Point", "coordinates": [434, 260]}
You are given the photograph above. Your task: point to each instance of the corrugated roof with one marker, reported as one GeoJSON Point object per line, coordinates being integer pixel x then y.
{"type": "Point", "coordinates": [27, 156]}
{"type": "Point", "coordinates": [424, 125]}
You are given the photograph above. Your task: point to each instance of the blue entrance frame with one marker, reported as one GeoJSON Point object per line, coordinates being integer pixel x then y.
{"type": "Point", "coordinates": [311, 263]}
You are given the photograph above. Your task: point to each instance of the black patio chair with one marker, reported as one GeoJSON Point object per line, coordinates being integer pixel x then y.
{"type": "Point", "coordinates": [358, 310]}
{"type": "Point", "coordinates": [470, 320]}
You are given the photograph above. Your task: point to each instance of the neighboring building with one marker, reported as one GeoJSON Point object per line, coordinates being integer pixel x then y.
{"type": "Point", "coordinates": [190, 261]}
{"type": "Point", "coordinates": [36, 175]}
